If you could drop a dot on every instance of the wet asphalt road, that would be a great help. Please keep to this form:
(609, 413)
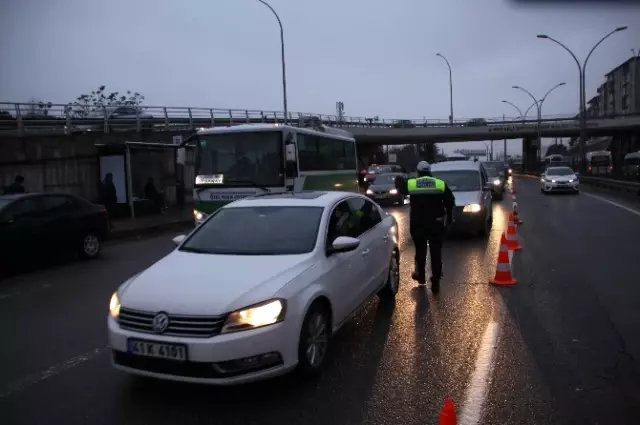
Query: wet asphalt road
(567, 350)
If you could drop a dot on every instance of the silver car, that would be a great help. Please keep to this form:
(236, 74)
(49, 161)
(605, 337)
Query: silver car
(383, 189)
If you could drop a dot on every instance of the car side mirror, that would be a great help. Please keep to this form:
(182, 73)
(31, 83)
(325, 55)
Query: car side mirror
(488, 187)
(343, 244)
(179, 239)
(577, 174)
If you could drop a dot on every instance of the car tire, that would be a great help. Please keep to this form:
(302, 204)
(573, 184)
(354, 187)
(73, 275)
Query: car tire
(315, 332)
(392, 284)
(486, 229)
(90, 245)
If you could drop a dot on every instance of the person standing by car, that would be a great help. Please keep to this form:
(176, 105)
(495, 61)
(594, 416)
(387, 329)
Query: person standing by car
(109, 196)
(16, 187)
(432, 204)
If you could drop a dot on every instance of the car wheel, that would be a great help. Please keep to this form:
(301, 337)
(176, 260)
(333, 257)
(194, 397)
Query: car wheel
(314, 340)
(91, 245)
(488, 223)
(392, 285)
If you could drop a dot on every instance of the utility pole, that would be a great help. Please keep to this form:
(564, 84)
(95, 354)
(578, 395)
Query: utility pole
(505, 141)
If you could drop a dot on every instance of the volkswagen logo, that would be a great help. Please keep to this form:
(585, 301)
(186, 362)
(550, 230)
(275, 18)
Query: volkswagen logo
(160, 323)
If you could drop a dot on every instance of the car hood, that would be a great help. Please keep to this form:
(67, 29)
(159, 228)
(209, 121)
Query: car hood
(465, 198)
(203, 284)
(561, 179)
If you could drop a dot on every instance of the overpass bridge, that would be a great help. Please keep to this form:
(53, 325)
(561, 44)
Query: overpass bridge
(19, 119)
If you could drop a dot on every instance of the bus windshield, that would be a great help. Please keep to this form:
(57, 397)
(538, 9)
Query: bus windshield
(600, 160)
(253, 158)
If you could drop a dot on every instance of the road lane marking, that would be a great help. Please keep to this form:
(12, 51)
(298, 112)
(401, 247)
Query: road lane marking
(476, 394)
(615, 204)
(49, 372)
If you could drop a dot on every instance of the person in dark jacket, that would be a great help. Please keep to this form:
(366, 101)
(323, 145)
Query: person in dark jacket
(152, 193)
(16, 187)
(109, 196)
(432, 204)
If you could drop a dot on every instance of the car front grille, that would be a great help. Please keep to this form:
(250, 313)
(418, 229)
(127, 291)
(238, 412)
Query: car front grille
(179, 325)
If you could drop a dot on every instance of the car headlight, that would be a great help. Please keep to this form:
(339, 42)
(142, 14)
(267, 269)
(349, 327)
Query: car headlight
(393, 191)
(199, 215)
(570, 180)
(114, 306)
(369, 192)
(553, 181)
(496, 182)
(510, 171)
(542, 179)
(255, 316)
(472, 208)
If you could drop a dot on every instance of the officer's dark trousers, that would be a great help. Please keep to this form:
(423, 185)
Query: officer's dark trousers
(430, 236)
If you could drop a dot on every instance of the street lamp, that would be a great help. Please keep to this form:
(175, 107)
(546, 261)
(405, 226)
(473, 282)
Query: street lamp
(539, 103)
(284, 67)
(450, 88)
(517, 109)
(581, 72)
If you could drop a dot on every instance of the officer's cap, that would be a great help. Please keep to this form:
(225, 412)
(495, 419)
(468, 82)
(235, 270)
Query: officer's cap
(423, 166)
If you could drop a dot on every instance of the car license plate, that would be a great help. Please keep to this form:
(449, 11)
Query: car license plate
(157, 350)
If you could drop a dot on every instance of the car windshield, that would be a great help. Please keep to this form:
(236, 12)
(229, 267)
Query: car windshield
(559, 171)
(241, 158)
(459, 180)
(491, 172)
(386, 178)
(271, 230)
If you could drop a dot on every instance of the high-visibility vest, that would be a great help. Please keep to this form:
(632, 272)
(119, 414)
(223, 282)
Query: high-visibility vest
(425, 185)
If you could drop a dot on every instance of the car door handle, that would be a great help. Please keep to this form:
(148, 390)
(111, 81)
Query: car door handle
(366, 252)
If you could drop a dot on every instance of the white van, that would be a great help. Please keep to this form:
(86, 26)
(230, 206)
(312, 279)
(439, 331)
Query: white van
(471, 187)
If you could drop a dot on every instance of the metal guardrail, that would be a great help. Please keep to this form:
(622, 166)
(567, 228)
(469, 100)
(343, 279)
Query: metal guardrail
(24, 118)
(624, 186)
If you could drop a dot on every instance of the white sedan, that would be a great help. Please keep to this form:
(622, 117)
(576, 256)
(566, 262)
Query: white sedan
(559, 179)
(256, 290)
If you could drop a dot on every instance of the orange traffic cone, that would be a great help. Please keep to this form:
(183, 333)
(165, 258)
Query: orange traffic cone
(516, 218)
(503, 268)
(448, 413)
(512, 236)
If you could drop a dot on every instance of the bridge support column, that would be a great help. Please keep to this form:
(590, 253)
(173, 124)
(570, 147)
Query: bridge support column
(530, 153)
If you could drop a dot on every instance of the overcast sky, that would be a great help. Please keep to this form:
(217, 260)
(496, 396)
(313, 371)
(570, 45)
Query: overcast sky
(378, 57)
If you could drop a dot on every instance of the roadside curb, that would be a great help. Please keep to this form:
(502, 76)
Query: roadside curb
(150, 230)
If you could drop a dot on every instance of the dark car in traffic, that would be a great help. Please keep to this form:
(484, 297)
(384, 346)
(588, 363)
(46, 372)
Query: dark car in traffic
(383, 189)
(497, 183)
(40, 225)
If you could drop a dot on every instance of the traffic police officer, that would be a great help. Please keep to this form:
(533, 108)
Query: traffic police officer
(432, 205)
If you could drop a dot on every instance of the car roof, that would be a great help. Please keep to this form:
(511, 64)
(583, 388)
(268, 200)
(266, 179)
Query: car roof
(293, 199)
(456, 165)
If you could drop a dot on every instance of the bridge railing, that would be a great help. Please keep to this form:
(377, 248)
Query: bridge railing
(24, 118)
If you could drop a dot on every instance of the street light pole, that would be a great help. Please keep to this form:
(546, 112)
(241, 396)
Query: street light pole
(517, 109)
(539, 112)
(581, 73)
(450, 88)
(282, 58)
(505, 140)
(539, 106)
